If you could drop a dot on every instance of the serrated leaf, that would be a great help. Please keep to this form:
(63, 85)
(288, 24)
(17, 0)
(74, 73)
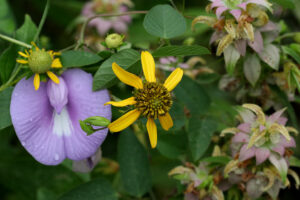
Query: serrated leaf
(134, 164)
(105, 77)
(165, 22)
(231, 56)
(96, 189)
(5, 97)
(252, 68)
(271, 56)
(199, 136)
(180, 51)
(78, 58)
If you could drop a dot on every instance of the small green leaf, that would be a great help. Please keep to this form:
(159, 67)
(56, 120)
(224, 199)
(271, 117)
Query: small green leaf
(96, 189)
(199, 135)
(271, 56)
(252, 68)
(7, 63)
(88, 129)
(27, 31)
(196, 102)
(165, 22)
(5, 97)
(180, 51)
(105, 76)
(7, 22)
(78, 58)
(134, 164)
(291, 52)
(294, 161)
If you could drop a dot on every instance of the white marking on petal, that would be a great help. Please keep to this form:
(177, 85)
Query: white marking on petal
(62, 124)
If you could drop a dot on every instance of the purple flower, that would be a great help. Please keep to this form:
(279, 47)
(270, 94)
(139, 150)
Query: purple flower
(47, 121)
(103, 25)
(235, 7)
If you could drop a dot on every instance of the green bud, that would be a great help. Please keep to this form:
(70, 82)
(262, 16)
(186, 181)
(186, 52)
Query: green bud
(86, 128)
(97, 121)
(189, 41)
(39, 61)
(114, 40)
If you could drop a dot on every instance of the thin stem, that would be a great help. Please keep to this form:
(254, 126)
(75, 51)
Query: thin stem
(68, 48)
(286, 36)
(12, 40)
(43, 19)
(81, 36)
(10, 80)
(173, 4)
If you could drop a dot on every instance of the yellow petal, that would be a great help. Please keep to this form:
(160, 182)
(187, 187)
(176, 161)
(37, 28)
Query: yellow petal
(229, 130)
(166, 121)
(148, 65)
(36, 81)
(127, 77)
(124, 121)
(22, 61)
(53, 77)
(174, 78)
(23, 54)
(278, 128)
(258, 111)
(257, 135)
(36, 47)
(125, 102)
(224, 43)
(152, 132)
(56, 63)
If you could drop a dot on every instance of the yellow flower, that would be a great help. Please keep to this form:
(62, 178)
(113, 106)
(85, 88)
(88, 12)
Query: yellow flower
(151, 99)
(41, 61)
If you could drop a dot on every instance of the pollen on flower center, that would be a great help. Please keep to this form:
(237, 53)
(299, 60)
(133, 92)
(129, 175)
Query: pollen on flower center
(39, 61)
(153, 100)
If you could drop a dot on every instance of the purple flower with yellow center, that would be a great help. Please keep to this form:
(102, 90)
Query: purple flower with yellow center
(235, 7)
(40, 62)
(46, 121)
(262, 137)
(151, 99)
(103, 25)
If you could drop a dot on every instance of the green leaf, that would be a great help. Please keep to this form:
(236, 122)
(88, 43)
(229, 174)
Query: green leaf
(286, 3)
(252, 68)
(199, 135)
(193, 96)
(7, 22)
(217, 159)
(165, 22)
(294, 161)
(126, 59)
(78, 58)
(27, 31)
(96, 189)
(5, 97)
(271, 56)
(134, 164)
(177, 50)
(291, 52)
(7, 63)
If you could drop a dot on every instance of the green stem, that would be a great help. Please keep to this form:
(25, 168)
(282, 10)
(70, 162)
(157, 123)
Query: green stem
(42, 22)
(12, 40)
(82, 31)
(11, 79)
(286, 36)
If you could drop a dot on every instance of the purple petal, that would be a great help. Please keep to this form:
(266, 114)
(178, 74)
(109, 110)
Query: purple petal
(83, 103)
(101, 25)
(279, 149)
(243, 5)
(257, 45)
(245, 127)
(282, 120)
(276, 116)
(246, 153)
(261, 128)
(164, 61)
(125, 18)
(236, 13)
(31, 115)
(287, 144)
(87, 165)
(240, 137)
(215, 36)
(241, 46)
(119, 26)
(184, 65)
(57, 94)
(172, 59)
(261, 155)
(270, 26)
(87, 10)
(217, 3)
(220, 11)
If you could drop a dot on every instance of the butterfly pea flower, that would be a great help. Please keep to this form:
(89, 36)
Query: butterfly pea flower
(235, 7)
(263, 137)
(103, 25)
(40, 62)
(46, 121)
(150, 98)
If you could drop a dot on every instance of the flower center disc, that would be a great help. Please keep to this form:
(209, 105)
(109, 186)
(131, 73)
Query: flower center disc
(39, 61)
(153, 100)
